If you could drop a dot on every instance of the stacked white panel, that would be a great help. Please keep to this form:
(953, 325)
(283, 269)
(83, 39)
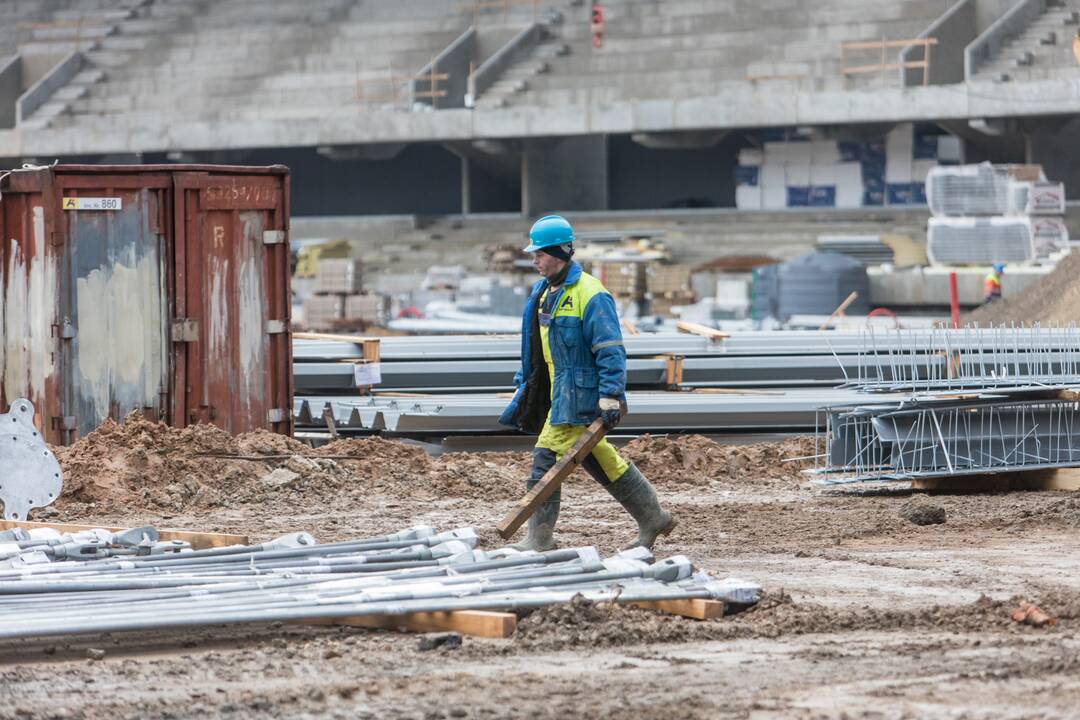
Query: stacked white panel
(979, 240)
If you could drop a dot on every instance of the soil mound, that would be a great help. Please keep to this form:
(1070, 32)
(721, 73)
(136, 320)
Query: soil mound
(697, 460)
(1055, 299)
(139, 464)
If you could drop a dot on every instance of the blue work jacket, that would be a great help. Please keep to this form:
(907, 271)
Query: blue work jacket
(586, 350)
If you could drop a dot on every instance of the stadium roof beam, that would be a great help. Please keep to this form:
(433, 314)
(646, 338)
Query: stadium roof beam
(370, 151)
(694, 140)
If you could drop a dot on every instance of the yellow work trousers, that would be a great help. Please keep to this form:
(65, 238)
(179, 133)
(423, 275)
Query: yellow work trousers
(560, 438)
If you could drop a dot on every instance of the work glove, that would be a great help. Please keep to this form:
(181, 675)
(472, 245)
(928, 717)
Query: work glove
(610, 412)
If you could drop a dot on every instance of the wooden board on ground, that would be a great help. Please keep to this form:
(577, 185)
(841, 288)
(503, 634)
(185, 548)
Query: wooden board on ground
(699, 329)
(478, 623)
(697, 608)
(198, 540)
(552, 480)
(1053, 479)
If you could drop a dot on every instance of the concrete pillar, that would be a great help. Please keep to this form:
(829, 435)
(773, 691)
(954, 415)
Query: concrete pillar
(564, 174)
(466, 188)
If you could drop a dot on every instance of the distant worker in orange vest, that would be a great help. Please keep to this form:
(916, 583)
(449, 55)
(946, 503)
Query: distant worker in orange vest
(992, 284)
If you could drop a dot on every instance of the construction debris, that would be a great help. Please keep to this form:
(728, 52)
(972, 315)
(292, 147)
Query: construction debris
(1031, 614)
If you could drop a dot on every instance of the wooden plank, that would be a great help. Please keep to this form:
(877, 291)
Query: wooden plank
(696, 609)
(370, 345)
(332, 337)
(198, 540)
(477, 623)
(552, 480)
(699, 329)
(734, 391)
(1066, 479)
(964, 483)
(840, 309)
(877, 44)
(673, 370)
(860, 69)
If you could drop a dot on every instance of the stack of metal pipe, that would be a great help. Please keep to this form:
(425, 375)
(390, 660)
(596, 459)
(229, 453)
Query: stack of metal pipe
(293, 578)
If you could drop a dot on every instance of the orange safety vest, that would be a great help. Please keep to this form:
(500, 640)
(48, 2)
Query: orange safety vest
(992, 284)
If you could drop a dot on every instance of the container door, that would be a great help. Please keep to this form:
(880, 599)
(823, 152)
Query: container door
(28, 297)
(233, 352)
(113, 330)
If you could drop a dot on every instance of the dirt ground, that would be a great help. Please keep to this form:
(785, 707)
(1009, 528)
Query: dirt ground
(867, 615)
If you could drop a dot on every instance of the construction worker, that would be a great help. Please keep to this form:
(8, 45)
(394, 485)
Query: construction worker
(992, 284)
(573, 370)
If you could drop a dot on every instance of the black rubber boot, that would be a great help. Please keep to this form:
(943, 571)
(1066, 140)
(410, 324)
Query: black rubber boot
(637, 496)
(542, 522)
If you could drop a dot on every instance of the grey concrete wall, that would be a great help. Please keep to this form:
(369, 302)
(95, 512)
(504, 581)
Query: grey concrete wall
(564, 174)
(453, 61)
(645, 178)
(10, 89)
(492, 194)
(39, 94)
(954, 30)
(1058, 151)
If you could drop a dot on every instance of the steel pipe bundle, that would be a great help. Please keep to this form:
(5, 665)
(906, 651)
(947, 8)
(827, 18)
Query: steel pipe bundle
(415, 570)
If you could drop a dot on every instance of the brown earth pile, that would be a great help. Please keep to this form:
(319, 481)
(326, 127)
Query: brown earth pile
(144, 465)
(697, 460)
(139, 464)
(1055, 299)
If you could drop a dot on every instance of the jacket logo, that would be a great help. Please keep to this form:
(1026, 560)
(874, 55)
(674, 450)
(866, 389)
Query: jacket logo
(568, 303)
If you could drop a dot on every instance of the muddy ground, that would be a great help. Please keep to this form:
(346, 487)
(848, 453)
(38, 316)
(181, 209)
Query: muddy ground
(867, 614)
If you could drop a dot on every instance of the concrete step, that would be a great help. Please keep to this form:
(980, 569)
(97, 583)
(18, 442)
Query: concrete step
(88, 16)
(71, 32)
(88, 77)
(149, 26)
(124, 43)
(69, 93)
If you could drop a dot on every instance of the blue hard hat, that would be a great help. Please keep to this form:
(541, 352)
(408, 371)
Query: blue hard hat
(999, 267)
(549, 231)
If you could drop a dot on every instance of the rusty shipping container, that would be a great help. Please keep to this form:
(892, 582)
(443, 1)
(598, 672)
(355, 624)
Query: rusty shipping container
(160, 288)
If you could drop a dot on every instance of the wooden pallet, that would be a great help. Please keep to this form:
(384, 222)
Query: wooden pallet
(198, 540)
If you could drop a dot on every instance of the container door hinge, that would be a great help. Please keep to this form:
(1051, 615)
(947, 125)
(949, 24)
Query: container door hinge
(276, 327)
(67, 330)
(275, 415)
(185, 330)
(273, 237)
